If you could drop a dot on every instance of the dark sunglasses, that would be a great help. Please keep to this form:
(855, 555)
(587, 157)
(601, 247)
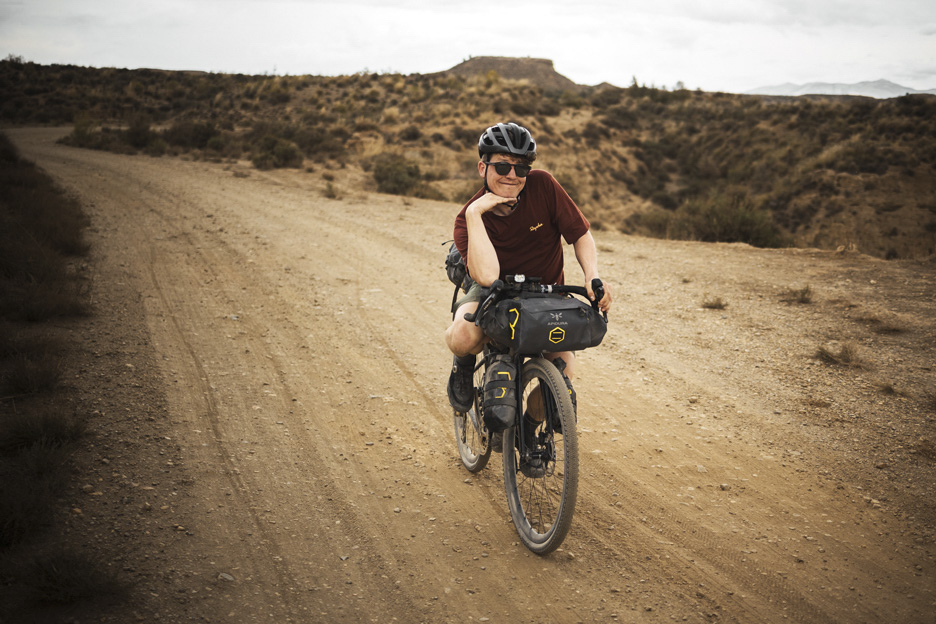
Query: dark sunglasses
(503, 168)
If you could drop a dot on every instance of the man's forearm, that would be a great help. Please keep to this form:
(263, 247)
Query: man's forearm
(587, 255)
(482, 258)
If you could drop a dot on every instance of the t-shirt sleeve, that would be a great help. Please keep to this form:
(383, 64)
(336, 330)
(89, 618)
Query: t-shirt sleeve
(570, 221)
(460, 233)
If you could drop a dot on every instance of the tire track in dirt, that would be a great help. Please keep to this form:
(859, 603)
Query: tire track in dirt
(276, 547)
(326, 401)
(231, 471)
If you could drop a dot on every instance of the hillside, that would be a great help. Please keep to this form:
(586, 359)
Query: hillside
(820, 172)
(539, 72)
(269, 439)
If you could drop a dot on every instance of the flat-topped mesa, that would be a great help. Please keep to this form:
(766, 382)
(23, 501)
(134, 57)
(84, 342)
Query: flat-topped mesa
(537, 71)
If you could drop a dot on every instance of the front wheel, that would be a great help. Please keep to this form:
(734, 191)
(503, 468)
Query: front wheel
(541, 462)
(474, 442)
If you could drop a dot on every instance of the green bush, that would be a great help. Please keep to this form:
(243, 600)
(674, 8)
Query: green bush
(728, 217)
(139, 134)
(275, 153)
(396, 175)
(190, 134)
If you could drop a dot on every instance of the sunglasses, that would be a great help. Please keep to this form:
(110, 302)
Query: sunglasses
(503, 168)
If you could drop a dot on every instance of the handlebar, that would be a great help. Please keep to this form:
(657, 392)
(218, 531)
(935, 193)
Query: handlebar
(518, 284)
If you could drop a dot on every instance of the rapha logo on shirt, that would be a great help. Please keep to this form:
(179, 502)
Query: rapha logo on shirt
(533, 228)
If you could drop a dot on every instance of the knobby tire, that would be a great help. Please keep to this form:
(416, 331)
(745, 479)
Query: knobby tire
(542, 501)
(474, 443)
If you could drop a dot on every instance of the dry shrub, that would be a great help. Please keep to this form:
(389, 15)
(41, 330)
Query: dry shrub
(714, 303)
(847, 355)
(798, 295)
(890, 389)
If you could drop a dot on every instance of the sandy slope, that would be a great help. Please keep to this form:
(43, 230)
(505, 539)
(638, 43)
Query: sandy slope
(273, 442)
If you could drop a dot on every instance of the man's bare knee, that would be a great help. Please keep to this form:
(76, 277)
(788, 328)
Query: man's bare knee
(464, 338)
(568, 357)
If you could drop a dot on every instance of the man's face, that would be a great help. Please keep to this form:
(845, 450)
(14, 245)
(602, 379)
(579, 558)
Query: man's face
(508, 185)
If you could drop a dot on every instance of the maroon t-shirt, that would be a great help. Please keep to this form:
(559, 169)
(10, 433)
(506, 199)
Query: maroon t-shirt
(527, 241)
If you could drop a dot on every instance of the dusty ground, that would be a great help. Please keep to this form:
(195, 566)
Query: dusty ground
(272, 441)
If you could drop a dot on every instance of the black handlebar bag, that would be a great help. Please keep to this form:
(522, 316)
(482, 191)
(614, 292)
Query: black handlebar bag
(532, 325)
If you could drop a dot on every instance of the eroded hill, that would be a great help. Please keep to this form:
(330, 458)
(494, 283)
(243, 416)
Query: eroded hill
(824, 172)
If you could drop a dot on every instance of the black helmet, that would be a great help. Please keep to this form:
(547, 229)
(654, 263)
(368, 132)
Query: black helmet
(508, 138)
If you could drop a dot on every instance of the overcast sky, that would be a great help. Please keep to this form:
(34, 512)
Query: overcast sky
(716, 45)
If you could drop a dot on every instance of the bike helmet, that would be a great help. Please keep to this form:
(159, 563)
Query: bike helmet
(508, 138)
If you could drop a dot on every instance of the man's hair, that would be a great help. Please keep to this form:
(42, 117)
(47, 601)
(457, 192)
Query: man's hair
(524, 161)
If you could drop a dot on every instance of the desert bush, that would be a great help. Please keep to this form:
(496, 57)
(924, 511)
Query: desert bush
(569, 183)
(138, 133)
(729, 217)
(620, 118)
(190, 134)
(798, 295)
(847, 355)
(464, 137)
(714, 303)
(410, 133)
(396, 175)
(39, 228)
(888, 388)
(274, 152)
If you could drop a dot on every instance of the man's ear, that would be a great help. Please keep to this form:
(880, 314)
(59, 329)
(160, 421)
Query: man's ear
(481, 167)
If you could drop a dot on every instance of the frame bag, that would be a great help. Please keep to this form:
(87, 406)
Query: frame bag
(537, 324)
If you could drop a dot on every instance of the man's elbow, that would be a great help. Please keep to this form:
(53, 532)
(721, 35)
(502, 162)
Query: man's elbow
(485, 279)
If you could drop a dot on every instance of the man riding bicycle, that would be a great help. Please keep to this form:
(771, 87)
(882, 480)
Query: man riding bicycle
(515, 224)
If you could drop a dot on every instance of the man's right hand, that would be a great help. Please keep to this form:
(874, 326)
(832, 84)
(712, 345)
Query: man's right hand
(489, 201)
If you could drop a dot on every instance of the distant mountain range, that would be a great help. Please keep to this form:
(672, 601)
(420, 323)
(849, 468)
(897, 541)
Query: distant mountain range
(881, 89)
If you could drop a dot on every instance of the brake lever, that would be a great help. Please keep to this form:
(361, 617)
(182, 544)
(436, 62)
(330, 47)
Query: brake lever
(496, 288)
(598, 289)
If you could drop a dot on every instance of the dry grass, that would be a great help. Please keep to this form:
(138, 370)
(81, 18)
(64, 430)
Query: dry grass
(798, 295)
(885, 324)
(55, 579)
(39, 229)
(847, 355)
(27, 374)
(714, 303)
(890, 389)
(802, 155)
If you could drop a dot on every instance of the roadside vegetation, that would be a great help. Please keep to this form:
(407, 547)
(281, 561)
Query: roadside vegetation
(769, 171)
(41, 287)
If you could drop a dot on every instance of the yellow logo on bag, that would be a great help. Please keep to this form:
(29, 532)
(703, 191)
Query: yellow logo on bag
(513, 325)
(504, 389)
(557, 335)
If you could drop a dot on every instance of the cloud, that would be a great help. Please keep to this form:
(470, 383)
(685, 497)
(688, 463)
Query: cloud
(717, 45)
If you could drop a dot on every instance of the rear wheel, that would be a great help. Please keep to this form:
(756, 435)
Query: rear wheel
(474, 442)
(541, 473)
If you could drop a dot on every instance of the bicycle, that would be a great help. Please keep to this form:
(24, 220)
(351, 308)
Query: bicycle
(540, 457)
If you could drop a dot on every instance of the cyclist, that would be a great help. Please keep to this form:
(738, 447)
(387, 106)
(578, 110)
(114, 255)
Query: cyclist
(515, 224)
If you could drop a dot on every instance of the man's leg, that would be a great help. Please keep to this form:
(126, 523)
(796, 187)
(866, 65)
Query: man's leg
(568, 357)
(464, 340)
(535, 408)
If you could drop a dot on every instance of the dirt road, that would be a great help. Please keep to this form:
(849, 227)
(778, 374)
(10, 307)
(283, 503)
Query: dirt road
(273, 442)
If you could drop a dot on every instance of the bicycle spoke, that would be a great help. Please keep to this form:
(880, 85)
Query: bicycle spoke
(474, 446)
(541, 477)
